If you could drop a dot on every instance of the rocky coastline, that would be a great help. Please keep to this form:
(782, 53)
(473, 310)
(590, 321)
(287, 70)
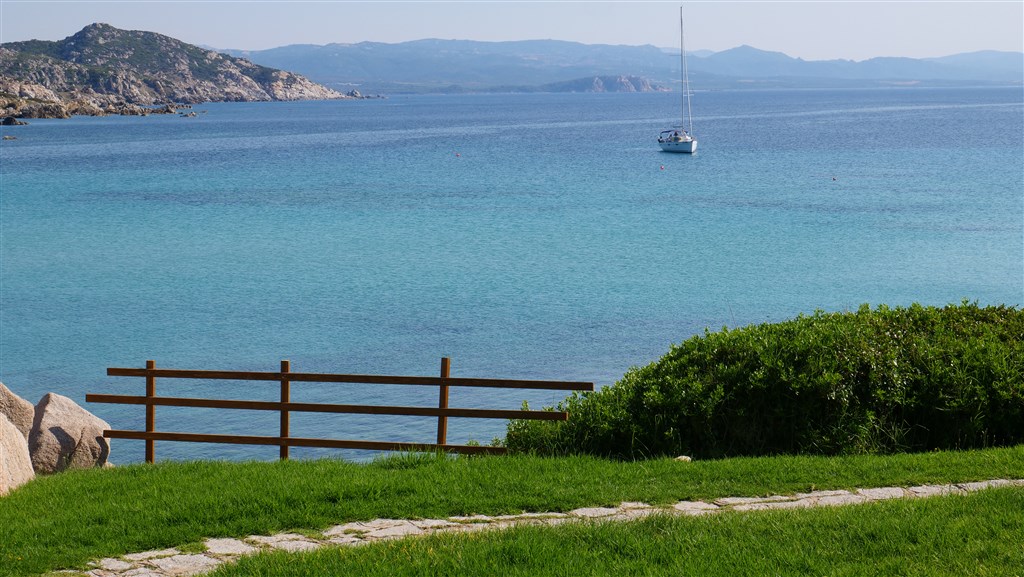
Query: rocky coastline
(103, 70)
(27, 100)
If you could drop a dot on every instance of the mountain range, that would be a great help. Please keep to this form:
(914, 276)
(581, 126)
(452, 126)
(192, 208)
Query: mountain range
(103, 69)
(447, 65)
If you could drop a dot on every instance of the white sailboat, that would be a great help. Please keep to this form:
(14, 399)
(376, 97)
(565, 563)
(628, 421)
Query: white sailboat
(680, 138)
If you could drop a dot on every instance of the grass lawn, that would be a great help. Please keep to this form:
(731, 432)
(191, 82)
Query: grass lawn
(979, 534)
(65, 520)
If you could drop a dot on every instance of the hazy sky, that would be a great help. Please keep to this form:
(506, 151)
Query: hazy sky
(813, 30)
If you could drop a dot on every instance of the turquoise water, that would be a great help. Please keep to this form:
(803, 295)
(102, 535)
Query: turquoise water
(526, 236)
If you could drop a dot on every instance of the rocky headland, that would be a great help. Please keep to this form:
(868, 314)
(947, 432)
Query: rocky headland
(105, 70)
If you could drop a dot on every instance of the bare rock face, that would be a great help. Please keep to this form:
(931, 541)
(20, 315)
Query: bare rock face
(17, 410)
(15, 462)
(66, 436)
(28, 90)
(101, 66)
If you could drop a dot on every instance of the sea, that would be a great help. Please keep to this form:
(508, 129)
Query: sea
(525, 236)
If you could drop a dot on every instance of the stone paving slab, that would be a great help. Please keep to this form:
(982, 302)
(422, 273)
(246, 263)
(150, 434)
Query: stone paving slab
(733, 501)
(274, 540)
(228, 547)
(144, 572)
(152, 554)
(431, 523)
(694, 507)
(817, 494)
(882, 493)
(594, 512)
(347, 529)
(983, 484)
(775, 505)
(114, 565)
(935, 490)
(186, 564)
(173, 563)
(405, 529)
(836, 500)
(529, 516)
(377, 524)
(345, 540)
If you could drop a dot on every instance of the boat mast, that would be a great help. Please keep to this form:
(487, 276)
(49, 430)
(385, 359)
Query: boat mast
(686, 74)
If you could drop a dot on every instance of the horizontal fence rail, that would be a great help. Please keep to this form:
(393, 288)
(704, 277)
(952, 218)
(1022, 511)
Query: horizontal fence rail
(285, 407)
(360, 379)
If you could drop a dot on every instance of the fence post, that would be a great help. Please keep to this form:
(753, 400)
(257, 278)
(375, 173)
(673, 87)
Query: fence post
(442, 403)
(150, 411)
(285, 398)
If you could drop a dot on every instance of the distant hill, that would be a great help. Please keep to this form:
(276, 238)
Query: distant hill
(443, 65)
(1001, 65)
(433, 64)
(749, 62)
(101, 66)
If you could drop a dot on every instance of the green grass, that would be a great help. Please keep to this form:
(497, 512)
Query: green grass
(65, 520)
(979, 534)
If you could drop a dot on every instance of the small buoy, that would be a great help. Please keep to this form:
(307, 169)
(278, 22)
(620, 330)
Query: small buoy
(457, 155)
(663, 167)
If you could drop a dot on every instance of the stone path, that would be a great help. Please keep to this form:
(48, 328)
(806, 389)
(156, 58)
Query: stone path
(173, 563)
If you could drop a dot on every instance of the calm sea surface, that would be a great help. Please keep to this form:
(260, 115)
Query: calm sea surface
(526, 236)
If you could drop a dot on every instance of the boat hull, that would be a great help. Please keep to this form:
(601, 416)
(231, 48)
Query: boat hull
(688, 146)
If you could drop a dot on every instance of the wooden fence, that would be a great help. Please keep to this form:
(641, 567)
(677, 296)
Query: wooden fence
(285, 407)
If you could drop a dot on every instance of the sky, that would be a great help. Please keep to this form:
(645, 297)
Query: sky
(812, 30)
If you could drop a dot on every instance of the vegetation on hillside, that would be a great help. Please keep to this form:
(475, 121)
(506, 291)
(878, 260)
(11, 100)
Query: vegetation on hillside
(872, 381)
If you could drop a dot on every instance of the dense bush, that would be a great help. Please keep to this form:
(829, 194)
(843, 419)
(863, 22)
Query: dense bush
(872, 381)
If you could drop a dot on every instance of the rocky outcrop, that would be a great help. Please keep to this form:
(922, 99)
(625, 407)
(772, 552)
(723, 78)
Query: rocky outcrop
(55, 435)
(605, 84)
(15, 462)
(25, 100)
(102, 68)
(18, 411)
(66, 436)
(26, 90)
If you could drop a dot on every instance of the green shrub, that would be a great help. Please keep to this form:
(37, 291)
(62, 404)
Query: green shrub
(872, 381)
